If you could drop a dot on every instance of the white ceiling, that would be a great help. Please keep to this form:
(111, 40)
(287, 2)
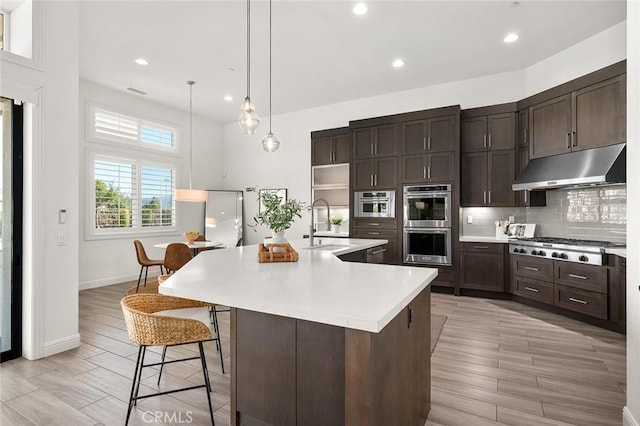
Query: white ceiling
(322, 52)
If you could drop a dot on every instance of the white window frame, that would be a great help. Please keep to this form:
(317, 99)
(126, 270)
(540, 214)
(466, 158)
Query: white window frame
(93, 108)
(94, 233)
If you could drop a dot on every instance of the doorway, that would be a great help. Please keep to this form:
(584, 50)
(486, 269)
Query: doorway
(11, 181)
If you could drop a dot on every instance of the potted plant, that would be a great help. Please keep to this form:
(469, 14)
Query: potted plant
(335, 224)
(191, 236)
(277, 214)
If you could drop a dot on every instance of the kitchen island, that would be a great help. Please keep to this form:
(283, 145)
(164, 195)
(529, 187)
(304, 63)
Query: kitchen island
(319, 341)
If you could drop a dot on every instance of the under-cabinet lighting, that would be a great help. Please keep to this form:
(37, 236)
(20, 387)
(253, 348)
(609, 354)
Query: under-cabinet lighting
(141, 61)
(398, 63)
(511, 37)
(360, 9)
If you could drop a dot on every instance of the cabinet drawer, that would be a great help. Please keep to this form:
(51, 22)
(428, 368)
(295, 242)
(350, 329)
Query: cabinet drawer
(482, 247)
(383, 234)
(375, 224)
(583, 301)
(541, 291)
(539, 269)
(445, 278)
(586, 277)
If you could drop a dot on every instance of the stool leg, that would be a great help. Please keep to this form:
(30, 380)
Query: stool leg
(139, 278)
(135, 395)
(133, 385)
(164, 353)
(216, 327)
(205, 372)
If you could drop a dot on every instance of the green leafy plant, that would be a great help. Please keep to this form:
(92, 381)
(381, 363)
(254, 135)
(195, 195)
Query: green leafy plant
(277, 214)
(336, 221)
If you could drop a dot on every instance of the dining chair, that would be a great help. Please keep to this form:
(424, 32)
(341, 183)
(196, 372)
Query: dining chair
(160, 320)
(176, 255)
(145, 262)
(201, 238)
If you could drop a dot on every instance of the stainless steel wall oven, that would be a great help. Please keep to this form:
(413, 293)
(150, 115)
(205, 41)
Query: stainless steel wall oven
(374, 203)
(431, 246)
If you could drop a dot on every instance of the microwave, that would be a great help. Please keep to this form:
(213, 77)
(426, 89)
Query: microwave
(374, 204)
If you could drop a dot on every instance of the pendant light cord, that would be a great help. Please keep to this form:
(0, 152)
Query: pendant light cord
(190, 83)
(249, 49)
(270, 96)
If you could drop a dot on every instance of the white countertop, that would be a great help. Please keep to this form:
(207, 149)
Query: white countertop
(331, 234)
(622, 252)
(474, 239)
(319, 287)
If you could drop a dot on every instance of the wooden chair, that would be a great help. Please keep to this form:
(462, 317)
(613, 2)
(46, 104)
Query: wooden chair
(201, 238)
(159, 320)
(145, 262)
(176, 256)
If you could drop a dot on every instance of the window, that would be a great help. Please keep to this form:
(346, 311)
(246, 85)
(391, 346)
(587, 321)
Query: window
(131, 196)
(119, 127)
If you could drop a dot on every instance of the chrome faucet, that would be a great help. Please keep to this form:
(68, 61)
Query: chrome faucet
(312, 227)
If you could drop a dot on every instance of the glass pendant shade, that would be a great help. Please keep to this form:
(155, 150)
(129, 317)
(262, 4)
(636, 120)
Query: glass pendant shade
(249, 120)
(194, 195)
(270, 143)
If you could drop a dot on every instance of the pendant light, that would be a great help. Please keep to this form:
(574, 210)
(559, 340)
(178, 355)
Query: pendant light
(196, 195)
(249, 120)
(270, 142)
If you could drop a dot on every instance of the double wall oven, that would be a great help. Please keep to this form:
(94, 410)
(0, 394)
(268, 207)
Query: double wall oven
(427, 224)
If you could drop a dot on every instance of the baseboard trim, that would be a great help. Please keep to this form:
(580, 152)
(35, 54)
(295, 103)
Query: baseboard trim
(60, 345)
(86, 285)
(627, 417)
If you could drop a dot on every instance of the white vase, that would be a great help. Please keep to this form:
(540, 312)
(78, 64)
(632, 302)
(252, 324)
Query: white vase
(277, 238)
(335, 228)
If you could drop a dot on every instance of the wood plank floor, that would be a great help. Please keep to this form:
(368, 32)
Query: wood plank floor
(496, 362)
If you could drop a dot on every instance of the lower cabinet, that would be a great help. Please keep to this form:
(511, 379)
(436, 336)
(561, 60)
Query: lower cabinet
(482, 266)
(289, 372)
(384, 229)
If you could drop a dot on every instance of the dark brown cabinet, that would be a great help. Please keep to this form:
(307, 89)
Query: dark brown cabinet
(330, 146)
(379, 173)
(435, 167)
(429, 135)
(490, 132)
(385, 229)
(377, 141)
(525, 198)
(486, 179)
(482, 266)
(586, 118)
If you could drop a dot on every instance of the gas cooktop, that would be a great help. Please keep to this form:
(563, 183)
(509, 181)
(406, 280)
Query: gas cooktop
(566, 249)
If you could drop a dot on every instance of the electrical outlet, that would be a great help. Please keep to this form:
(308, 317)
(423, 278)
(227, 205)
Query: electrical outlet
(512, 219)
(61, 240)
(469, 219)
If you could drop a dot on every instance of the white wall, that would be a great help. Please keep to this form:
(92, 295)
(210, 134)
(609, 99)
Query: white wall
(289, 167)
(50, 319)
(104, 262)
(632, 410)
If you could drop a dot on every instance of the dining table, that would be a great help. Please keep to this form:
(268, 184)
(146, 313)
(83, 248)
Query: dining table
(196, 246)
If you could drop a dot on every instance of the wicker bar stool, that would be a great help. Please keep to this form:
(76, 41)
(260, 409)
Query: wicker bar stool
(159, 320)
(145, 262)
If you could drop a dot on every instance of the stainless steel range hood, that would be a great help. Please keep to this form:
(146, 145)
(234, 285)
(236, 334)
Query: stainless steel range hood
(597, 166)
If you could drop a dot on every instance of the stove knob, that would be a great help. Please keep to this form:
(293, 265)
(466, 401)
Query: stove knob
(533, 252)
(583, 258)
(523, 251)
(554, 254)
(515, 250)
(563, 256)
(542, 253)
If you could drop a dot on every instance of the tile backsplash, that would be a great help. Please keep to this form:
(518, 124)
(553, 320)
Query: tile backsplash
(598, 213)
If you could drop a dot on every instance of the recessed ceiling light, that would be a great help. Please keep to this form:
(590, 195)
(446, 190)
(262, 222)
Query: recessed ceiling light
(360, 9)
(511, 37)
(141, 61)
(398, 63)
(228, 98)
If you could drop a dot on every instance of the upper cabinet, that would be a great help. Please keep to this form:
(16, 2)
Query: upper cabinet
(375, 141)
(429, 135)
(330, 146)
(488, 132)
(586, 118)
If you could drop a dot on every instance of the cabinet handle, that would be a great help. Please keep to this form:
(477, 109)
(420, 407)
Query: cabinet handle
(531, 268)
(424, 143)
(574, 139)
(573, 299)
(373, 233)
(484, 197)
(373, 224)
(489, 140)
(581, 277)
(375, 148)
(372, 144)
(378, 251)
(535, 290)
(371, 179)
(484, 141)
(569, 140)
(525, 137)
(481, 247)
(409, 315)
(424, 172)
(429, 143)
(489, 197)
(429, 172)
(525, 196)
(375, 179)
